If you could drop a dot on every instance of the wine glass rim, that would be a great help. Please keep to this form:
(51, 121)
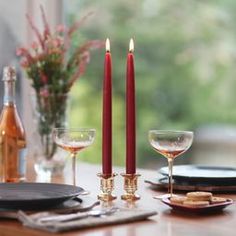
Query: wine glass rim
(171, 131)
(73, 129)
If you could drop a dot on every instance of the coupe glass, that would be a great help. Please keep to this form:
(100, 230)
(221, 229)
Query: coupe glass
(170, 144)
(73, 140)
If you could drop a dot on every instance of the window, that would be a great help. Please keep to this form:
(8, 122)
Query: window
(185, 66)
(184, 55)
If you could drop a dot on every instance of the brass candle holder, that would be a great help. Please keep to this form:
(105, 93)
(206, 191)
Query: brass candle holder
(130, 187)
(106, 186)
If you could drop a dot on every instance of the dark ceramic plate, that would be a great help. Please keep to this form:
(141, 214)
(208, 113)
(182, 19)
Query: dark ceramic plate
(199, 210)
(35, 195)
(162, 183)
(210, 174)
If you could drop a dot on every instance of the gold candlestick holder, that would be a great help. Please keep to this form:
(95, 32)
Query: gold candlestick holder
(106, 186)
(130, 187)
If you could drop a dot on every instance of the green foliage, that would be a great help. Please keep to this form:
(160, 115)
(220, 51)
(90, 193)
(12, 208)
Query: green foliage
(184, 54)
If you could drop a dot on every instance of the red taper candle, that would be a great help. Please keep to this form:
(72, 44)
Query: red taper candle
(107, 114)
(130, 113)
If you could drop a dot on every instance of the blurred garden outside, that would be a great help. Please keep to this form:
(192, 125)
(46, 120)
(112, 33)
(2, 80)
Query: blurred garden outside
(185, 57)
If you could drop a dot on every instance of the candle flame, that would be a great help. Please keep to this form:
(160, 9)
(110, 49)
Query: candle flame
(131, 45)
(107, 45)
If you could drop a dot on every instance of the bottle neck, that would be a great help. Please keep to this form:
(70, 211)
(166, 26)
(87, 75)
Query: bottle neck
(9, 92)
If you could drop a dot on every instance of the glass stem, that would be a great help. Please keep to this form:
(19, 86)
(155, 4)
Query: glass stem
(170, 166)
(73, 155)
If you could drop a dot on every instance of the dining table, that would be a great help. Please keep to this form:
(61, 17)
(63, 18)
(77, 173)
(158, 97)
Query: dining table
(166, 223)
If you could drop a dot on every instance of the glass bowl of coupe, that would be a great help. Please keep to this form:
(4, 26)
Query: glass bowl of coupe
(170, 144)
(73, 140)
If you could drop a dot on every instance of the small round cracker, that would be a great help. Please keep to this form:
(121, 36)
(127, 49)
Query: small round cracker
(178, 200)
(218, 200)
(199, 196)
(196, 203)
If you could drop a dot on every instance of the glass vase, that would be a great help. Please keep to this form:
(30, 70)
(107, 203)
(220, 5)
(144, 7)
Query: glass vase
(50, 111)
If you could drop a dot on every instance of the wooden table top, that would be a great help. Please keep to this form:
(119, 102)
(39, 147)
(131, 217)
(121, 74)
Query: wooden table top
(166, 223)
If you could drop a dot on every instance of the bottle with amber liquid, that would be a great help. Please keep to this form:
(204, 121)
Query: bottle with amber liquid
(12, 134)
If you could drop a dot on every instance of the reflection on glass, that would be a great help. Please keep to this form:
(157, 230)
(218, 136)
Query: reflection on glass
(73, 140)
(170, 144)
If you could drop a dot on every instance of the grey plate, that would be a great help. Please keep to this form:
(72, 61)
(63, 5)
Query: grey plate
(35, 195)
(202, 173)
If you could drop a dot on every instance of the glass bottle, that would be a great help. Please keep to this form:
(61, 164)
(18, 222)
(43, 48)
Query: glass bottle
(12, 134)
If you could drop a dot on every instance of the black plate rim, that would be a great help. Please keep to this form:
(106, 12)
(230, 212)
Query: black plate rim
(185, 177)
(45, 199)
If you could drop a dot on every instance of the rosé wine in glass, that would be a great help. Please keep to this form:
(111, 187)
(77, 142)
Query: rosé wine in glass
(73, 140)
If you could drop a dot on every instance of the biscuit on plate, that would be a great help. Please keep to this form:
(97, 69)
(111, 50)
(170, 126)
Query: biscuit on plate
(218, 200)
(199, 196)
(178, 200)
(196, 203)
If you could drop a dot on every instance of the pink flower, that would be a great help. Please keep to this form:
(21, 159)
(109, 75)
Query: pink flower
(24, 53)
(56, 42)
(61, 28)
(19, 51)
(44, 92)
(34, 45)
(47, 57)
(24, 63)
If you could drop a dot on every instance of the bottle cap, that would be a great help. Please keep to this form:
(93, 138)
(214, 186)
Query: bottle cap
(9, 73)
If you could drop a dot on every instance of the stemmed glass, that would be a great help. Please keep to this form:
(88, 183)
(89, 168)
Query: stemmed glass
(170, 144)
(73, 140)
